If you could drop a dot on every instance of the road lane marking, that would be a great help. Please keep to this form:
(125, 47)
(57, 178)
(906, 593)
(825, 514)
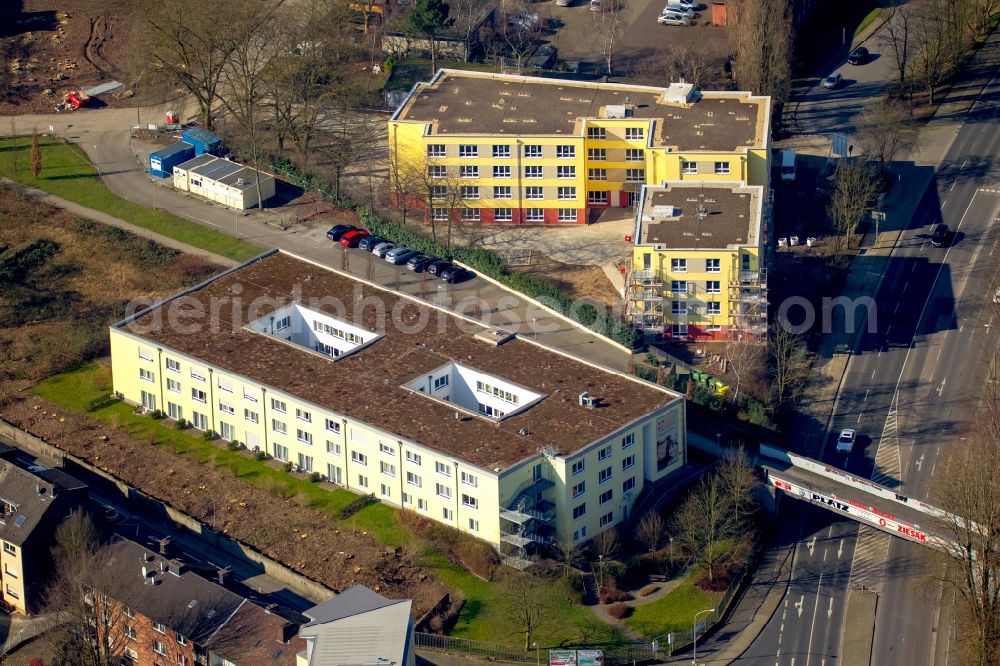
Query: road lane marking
(906, 286)
(952, 185)
(800, 603)
(866, 395)
(940, 389)
(840, 549)
(873, 374)
(895, 309)
(888, 468)
(812, 545)
(829, 611)
(888, 330)
(812, 628)
(919, 462)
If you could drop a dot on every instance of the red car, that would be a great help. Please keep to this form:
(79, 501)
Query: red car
(352, 238)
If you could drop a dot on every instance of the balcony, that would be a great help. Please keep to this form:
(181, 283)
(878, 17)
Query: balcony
(524, 511)
(524, 537)
(647, 277)
(646, 295)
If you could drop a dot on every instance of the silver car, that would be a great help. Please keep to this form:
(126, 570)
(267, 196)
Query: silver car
(382, 249)
(399, 255)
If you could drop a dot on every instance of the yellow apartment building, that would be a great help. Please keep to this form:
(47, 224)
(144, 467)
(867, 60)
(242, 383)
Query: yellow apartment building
(698, 270)
(388, 395)
(481, 147)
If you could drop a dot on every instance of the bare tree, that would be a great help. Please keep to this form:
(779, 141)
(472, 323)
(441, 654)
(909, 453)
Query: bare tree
(760, 39)
(35, 159)
(855, 191)
(937, 46)
(348, 137)
(607, 543)
(525, 606)
(676, 63)
(568, 552)
(468, 15)
(706, 523)
(651, 530)
(608, 29)
(896, 40)
(743, 360)
(519, 27)
(885, 131)
(739, 480)
(789, 362)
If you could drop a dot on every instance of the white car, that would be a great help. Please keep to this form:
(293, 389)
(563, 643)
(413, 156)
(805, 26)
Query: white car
(678, 8)
(833, 81)
(996, 296)
(673, 18)
(845, 443)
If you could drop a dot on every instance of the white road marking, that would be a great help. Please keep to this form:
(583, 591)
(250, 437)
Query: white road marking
(866, 395)
(812, 545)
(799, 603)
(829, 611)
(812, 628)
(888, 329)
(895, 309)
(919, 462)
(840, 549)
(906, 286)
(952, 185)
(940, 389)
(873, 374)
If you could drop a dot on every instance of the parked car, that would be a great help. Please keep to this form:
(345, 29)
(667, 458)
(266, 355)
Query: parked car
(369, 243)
(833, 81)
(339, 230)
(382, 249)
(399, 255)
(673, 18)
(420, 262)
(436, 267)
(939, 235)
(352, 238)
(996, 295)
(453, 274)
(673, 6)
(543, 58)
(858, 56)
(845, 443)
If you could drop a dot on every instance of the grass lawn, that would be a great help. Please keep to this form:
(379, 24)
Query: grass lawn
(867, 20)
(67, 173)
(86, 390)
(672, 612)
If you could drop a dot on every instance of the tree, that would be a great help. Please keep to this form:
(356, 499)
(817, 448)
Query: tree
(651, 530)
(526, 606)
(36, 155)
(885, 131)
(676, 63)
(519, 27)
(568, 551)
(427, 19)
(896, 39)
(763, 65)
(743, 360)
(855, 190)
(789, 362)
(468, 16)
(607, 543)
(608, 29)
(938, 44)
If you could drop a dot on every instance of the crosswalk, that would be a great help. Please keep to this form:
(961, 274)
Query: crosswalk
(871, 552)
(888, 468)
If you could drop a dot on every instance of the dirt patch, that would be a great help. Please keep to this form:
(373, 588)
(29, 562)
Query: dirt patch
(77, 44)
(577, 281)
(300, 536)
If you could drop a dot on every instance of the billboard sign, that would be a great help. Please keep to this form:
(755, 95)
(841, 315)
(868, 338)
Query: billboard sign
(589, 658)
(562, 657)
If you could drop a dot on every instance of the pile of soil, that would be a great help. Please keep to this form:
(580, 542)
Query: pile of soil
(284, 529)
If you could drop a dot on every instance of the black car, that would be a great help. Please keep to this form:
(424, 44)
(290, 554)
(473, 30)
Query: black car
(339, 230)
(939, 235)
(859, 56)
(453, 274)
(435, 267)
(368, 243)
(419, 263)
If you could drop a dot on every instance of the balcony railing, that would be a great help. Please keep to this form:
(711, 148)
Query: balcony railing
(523, 511)
(646, 295)
(648, 276)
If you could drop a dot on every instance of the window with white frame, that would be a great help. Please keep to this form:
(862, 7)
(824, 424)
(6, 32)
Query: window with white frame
(628, 484)
(678, 307)
(145, 354)
(604, 453)
(722, 168)
(579, 489)
(597, 174)
(440, 382)
(471, 214)
(606, 497)
(578, 467)
(473, 524)
(713, 328)
(385, 449)
(628, 440)
(412, 457)
(567, 192)
(385, 490)
(181, 640)
(597, 133)
(197, 375)
(567, 214)
(436, 150)
(333, 425)
(159, 647)
(535, 214)
(283, 323)
(533, 151)
(414, 479)
(679, 286)
(248, 396)
(447, 513)
(689, 168)
(470, 501)
(628, 462)
(501, 150)
(579, 511)
(333, 473)
(387, 468)
(634, 133)
(605, 475)
(442, 468)
(597, 197)
(597, 154)
(130, 632)
(678, 330)
(501, 171)
(279, 426)
(439, 191)
(250, 415)
(199, 421)
(502, 192)
(713, 266)
(333, 447)
(158, 627)
(713, 308)
(635, 175)
(226, 408)
(533, 192)
(469, 192)
(173, 366)
(421, 504)
(634, 155)
(173, 385)
(679, 265)
(503, 214)
(224, 384)
(439, 214)
(305, 463)
(362, 481)
(607, 519)
(713, 287)
(174, 411)
(278, 406)
(303, 436)
(469, 479)
(437, 171)
(359, 458)
(442, 490)
(565, 152)
(146, 375)
(566, 172)
(533, 172)
(465, 150)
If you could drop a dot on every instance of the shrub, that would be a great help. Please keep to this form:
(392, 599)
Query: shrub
(619, 611)
(648, 590)
(614, 569)
(260, 455)
(210, 435)
(610, 595)
(478, 557)
(181, 424)
(572, 587)
(354, 506)
(157, 415)
(315, 477)
(287, 467)
(233, 445)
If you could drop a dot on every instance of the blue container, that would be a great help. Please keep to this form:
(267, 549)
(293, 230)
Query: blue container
(163, 161)
(203, 141)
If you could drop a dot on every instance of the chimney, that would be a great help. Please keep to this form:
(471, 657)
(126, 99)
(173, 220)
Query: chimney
(222, 573)
(176, 566)
(164, 542)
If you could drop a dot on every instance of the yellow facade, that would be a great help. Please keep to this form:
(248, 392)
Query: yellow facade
(12, 576)
(367, 460)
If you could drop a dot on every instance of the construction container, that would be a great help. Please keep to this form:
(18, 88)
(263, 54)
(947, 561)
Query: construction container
(172, 118)
(203, 141)
(222, 181)
(76, 98)
(163, 161)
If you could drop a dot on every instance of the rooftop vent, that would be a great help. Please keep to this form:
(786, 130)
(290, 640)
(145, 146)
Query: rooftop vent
(495, 336)
(617, 111)
(523, 432)
(680, 93)
(587, 401)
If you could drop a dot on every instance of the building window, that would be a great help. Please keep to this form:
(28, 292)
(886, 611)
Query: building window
(566, 172)
(131, 655)
(597, 154)
(333, 425)
(470, 501)
(597, 133)
(305, 463)
(606, 497)
(421, 504)
(713, 308)
(713, 266)
(442, 468)
(247, 396)
(534, 192)
(384, 489)
(469, 192)
(332, 447)
(469, 479)
(387, 468)
(473, 524)
(333, 473)
(678, 330)
(628, 485)
(413, 457)
(158, 647)
(470, 214)
(439, 214)
(713, 328)
(145, 354)
(533, 151)
(283, 323)
(604, 453)
(437, 171)
(9, 548)
(12, 593)
(362, 480)
(436, 150)
(679, 265)
(579, 511)
(146, 375)
(468, 151)
(502, 171)
(501, 150)
(597, 174)
(713, 287)
(628, 462)
(532, 172)
(607, 519)
(580, 533)
(446, 513)
(225, 384)
(440, 382)
(503, 215)
(279, 427)
(303, 415)
(304, 437)
(130, 632)
(227, 431)
(180, 639)
(567, 214)
(502, 191)
(439, 191)
(635, 175)
(679, 286)
(722, 168)
(148, 400)
(579, 489)
(159, 627)
(535, 215)
(199, 421)
(678, 307)
(634, 133)
(604, 475)
(597, 197)
(689, 168)
(578, 467)
(173, 385)
(567, 193)
(566, 152)
(634, 155)
(250, 416)
(628, 440)
(278, 406)
(359, 458)
(174, 411)
(442, 490)
(226, 408)
(197, 375)
(414, 479)
(386, 449)
(173, 366)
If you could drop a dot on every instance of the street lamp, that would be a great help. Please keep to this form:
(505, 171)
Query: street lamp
(538, 658)
(694, 635)
(600, 571)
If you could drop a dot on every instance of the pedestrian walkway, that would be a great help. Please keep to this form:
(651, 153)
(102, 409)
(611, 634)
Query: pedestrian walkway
(663, 589)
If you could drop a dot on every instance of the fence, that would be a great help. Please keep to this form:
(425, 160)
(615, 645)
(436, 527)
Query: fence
(613, 656)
